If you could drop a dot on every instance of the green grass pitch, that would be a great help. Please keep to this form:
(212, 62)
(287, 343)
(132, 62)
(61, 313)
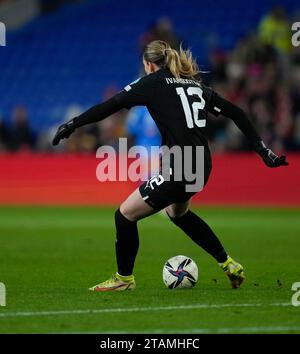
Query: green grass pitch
(49, 257)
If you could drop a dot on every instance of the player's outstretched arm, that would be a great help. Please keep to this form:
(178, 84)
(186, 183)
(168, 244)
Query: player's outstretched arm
(94, 114)
(219, 105)
(138, 93)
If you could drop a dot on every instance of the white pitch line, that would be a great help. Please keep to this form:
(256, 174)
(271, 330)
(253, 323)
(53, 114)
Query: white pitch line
(241, 329)
(256, 329)
(134, 309)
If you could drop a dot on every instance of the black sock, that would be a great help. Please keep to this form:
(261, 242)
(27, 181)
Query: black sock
(202, 234)
(127, 243)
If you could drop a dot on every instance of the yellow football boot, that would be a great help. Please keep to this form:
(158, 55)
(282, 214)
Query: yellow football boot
(234, 271)
(116, 283)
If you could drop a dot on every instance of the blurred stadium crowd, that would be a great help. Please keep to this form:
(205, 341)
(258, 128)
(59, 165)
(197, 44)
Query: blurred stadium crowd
(261, 74)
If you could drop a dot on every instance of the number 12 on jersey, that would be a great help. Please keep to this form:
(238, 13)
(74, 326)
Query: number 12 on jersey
(192, 111)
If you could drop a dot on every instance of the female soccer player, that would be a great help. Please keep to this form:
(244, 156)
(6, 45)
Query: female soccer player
(179, 104)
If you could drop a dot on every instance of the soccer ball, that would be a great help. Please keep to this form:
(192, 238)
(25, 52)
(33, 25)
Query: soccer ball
(180, 272)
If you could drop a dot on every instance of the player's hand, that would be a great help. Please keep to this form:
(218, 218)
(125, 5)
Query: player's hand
(268, 156)
(63, 132)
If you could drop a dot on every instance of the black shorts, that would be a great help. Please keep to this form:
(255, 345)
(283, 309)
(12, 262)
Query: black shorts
(159, 193)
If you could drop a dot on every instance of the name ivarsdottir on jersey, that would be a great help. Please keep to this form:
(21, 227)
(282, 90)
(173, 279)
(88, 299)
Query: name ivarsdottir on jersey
(173, 80)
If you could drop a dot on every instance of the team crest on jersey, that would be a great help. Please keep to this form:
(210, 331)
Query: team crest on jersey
(128, 87)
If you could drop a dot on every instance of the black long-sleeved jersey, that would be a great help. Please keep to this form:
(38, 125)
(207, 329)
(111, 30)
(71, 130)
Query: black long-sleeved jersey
(179, 108)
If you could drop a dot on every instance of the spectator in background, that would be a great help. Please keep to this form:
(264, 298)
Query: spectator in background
(275, 30)
(163, 30)
(4, 135)
(218, 59)
(21, 136)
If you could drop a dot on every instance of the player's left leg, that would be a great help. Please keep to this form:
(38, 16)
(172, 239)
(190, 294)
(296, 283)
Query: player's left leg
(131, 210)
(198, 230)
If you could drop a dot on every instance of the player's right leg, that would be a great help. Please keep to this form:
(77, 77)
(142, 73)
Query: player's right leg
(200, 232)
(131, 210)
